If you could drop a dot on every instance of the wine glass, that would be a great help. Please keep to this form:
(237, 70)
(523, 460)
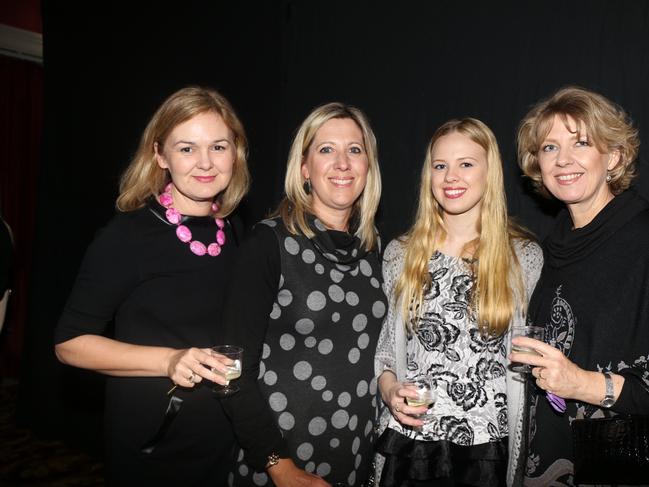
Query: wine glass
(426, 396)
(529, 331)
(233, 371)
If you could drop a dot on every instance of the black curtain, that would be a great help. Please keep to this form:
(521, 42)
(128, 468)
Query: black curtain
(409, 65)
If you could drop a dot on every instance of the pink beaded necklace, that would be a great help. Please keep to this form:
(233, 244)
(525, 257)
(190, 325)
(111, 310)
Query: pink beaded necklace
(184, 234)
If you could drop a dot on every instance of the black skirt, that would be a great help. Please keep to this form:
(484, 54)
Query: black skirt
(416, 463)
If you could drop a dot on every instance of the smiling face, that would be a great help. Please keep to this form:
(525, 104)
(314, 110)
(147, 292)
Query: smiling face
(199, 155)
(459, 169)
(574, 170)
(337, 165)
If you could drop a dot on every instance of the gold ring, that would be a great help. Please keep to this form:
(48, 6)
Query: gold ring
(396, 408)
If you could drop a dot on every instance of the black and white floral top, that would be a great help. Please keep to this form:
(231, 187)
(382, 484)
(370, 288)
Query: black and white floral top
(467, 368)
(474, 385)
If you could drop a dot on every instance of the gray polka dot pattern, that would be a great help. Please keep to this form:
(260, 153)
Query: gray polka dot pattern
(308, 256)
(284, 297)
(325, 346)
(336, 293)
(316, 301)
(360, 322)
(304, 451)
(286, 421)
(277, 401)
(304, 326)
(318, 357)
(318, 382)
(302, 370)
(291, 246)
(270, 378)
(317, 426)
(286, 341)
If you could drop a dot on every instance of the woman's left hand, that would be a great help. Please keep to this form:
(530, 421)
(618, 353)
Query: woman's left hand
(553, 371)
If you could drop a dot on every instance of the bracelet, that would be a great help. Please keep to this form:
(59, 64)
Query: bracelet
(273, 459)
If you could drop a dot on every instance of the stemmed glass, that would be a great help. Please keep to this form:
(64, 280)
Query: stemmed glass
(529, 331)
(233, 371)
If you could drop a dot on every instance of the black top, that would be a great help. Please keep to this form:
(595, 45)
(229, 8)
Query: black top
(139, 274)
(308, 314)
(593, 300)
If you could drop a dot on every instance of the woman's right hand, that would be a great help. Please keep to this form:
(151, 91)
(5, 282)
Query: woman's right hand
(395, 398)
(188, 367)
(287, 474)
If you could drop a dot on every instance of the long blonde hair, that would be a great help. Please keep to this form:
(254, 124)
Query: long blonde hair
(143, 178)
(297, 203)
(497, 269)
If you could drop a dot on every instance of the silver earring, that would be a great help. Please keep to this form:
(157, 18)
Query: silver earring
(307, 186)
(608, 178)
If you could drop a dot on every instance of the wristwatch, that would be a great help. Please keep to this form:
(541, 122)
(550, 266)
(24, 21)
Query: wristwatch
(273, 459)
(609, 398)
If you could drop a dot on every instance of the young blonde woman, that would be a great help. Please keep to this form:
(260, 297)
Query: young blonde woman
(455, 281)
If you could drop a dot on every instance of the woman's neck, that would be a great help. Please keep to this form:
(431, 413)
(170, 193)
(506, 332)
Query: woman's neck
(459, 232)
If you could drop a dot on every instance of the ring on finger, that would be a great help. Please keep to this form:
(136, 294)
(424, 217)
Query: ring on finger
(191, 377)
(396, 408)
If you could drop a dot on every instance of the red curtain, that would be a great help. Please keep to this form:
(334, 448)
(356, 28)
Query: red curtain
(21, 125)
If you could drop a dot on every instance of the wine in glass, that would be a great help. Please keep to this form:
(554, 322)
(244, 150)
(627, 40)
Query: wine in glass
(233, 370)
(529, 331)
(426, 396)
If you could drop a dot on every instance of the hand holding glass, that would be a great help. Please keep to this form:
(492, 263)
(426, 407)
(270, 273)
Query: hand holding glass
(529, 331)
(233, 370)
(426, 396)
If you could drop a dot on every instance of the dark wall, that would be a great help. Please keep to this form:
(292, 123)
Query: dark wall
(410, 65)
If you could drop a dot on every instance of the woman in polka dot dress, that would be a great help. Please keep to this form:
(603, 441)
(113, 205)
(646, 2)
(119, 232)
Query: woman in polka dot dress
(306, 304)
(455, 282)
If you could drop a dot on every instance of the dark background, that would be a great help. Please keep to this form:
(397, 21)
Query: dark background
(410, 65)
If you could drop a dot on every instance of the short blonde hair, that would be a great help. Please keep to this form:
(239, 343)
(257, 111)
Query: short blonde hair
(606, 124)
(297, 203)
(143, 178)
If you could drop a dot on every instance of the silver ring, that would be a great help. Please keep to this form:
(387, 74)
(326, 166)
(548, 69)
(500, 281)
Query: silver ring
(191, 377)
(396, 408)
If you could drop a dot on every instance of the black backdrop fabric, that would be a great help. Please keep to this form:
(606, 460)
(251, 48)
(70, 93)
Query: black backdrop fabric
(410, 65)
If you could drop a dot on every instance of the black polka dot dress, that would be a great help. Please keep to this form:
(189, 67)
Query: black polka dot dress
(314, 356)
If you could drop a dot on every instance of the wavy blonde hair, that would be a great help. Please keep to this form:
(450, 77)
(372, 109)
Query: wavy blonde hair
(297, 204)
(143, 178)
(606, 124)
(497, 268)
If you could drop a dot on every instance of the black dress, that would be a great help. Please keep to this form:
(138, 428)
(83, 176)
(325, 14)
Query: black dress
(137, 273)
(308, 314)
(593, 301)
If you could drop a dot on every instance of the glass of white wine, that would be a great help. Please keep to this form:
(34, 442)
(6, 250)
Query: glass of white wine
(426, 396)
(233, 370)
(529, 331)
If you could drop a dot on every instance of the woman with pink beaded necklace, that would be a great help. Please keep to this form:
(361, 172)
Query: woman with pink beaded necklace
(157, 273)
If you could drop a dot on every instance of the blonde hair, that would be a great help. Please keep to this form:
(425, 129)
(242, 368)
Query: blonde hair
(143, 178)
(497, 268)
(297, 203)
(606, 124)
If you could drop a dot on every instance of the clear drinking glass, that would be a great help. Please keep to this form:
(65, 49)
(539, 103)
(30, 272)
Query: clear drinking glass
(529, 331)
(426, 396)
(233, 371)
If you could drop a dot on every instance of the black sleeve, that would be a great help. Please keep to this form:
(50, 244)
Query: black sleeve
(107, 276)
(249, 300)
(634, 397)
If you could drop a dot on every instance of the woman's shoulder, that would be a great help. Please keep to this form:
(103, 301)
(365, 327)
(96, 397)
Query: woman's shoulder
(528, 252)
(395, 250)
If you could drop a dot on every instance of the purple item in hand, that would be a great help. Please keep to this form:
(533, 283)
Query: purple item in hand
(557, 403)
